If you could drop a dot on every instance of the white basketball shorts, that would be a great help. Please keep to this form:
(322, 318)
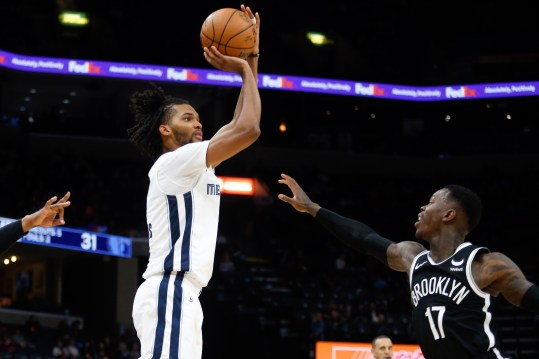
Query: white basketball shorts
(168, 318)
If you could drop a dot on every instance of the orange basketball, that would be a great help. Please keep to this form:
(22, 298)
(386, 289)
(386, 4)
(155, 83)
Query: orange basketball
(231, 31)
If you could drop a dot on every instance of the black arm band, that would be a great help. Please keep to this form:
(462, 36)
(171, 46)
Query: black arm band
(9, 234)
(355, 234)
(530, 300)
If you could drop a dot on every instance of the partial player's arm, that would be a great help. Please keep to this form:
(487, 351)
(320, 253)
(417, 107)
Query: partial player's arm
(357, 235)
(9, 234)
(496, 273)
(252, 59)
(51, 214)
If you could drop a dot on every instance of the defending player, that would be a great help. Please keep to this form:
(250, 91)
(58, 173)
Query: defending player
(451, 283)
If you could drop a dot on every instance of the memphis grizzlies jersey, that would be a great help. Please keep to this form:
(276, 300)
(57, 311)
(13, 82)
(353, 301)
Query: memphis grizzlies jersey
(451, 315)
(182, 210)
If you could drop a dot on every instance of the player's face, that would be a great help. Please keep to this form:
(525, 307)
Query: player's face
(185, 125)
(382, 349)
(429, 220)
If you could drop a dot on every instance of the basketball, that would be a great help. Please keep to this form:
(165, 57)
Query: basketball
(231, 31)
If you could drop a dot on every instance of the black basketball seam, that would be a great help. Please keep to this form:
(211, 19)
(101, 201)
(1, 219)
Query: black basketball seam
(205, 35)
(209, 38)
(224, 29)
(218, 43)
(213, 30)
(239, 33)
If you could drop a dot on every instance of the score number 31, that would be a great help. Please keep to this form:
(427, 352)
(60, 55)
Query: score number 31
(89, 241)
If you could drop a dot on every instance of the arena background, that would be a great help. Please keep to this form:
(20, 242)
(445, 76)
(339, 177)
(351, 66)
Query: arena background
(376, 160)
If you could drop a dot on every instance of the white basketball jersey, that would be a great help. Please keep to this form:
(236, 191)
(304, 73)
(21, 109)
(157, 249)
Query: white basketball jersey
(182, 210)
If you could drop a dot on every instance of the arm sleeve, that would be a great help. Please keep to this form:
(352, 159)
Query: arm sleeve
(530, 301)
(355, 234)
(9, 234)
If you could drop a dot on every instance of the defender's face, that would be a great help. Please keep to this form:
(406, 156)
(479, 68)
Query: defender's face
(429, 220)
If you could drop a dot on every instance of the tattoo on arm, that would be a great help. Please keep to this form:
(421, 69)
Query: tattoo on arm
(502, 275)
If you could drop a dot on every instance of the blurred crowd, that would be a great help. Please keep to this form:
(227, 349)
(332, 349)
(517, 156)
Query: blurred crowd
(67, 341)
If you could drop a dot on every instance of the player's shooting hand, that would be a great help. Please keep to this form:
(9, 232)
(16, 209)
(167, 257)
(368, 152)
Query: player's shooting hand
(300, 201)
(52, 214)
(255, 17)
(224, 62)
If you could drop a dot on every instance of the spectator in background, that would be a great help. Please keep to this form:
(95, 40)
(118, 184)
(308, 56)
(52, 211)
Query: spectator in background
(317, 327)
(226, 264)
(134, 351)
(382, 347)
(72, 349)
(59, 351)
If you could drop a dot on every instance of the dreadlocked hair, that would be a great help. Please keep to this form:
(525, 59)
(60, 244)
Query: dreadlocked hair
(150, 108)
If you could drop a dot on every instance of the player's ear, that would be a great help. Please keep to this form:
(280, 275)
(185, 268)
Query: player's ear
(164, 130)
(449, 215)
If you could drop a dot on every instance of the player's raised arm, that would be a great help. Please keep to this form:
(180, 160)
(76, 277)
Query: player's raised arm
(244, 129)
(357, 235)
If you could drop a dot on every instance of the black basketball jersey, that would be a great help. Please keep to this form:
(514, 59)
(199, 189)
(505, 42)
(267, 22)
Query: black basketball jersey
(451, 315)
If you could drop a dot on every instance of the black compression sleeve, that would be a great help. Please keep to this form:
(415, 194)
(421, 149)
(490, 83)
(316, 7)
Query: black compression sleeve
(355, 234)
(530, 301)
(9, 234)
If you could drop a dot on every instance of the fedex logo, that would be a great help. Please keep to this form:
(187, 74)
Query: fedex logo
(459, 92)
(84, 68)
(184, 75)
(279, 82)
(370, 90)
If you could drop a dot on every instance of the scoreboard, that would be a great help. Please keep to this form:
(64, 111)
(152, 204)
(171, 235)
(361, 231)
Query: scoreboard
(76, 239)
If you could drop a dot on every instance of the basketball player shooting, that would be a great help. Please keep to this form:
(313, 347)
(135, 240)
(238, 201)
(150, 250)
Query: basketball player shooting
(451, 283)
(182, 206)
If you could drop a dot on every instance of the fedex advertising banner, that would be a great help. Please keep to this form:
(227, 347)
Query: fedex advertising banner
(266, 81)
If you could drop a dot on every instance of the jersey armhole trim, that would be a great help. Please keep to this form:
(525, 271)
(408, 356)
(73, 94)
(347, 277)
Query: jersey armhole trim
(469, 275)
(414, 261)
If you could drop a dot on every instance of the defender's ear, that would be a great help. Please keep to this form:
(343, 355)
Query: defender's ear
(449, 215)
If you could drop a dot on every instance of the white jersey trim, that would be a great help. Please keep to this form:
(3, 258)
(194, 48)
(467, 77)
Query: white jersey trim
(482, 294)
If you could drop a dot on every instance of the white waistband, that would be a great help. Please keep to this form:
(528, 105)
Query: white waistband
(188, 285)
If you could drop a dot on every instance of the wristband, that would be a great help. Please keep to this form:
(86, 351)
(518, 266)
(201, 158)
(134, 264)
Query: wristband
(10, 234)
(530, 300)
(254, 55)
